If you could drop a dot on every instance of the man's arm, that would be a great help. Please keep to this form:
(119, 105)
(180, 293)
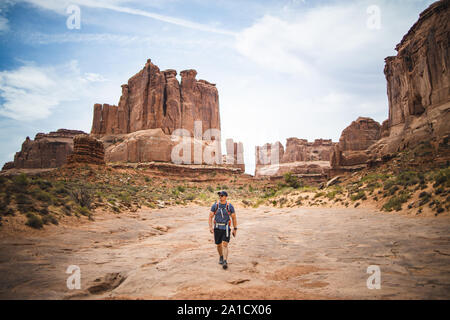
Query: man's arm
(233, 217)
(211, 216)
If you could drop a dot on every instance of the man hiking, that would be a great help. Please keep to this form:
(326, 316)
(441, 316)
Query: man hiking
(221, 215)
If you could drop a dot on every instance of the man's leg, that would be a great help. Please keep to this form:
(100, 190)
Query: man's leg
(225, 250)
(219, 249)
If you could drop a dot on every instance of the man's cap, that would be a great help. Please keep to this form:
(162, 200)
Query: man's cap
(224, 193)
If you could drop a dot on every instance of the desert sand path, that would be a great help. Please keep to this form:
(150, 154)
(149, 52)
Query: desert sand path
(279, 253)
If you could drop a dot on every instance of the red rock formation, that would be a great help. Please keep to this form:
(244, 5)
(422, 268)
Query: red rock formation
(87, 149)
(354, 142)
(309, 160)
(418, 84)
(46, 150)
(155, 99)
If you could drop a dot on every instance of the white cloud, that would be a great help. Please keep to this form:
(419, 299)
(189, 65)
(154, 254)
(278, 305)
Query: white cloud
(305, 42)
(32, 92)
(116, 5)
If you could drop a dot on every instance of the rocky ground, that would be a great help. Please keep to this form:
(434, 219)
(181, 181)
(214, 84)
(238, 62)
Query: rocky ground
(279, 253)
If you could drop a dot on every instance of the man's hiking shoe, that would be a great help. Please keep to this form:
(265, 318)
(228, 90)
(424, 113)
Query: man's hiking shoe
(225, 265)
(221, 260)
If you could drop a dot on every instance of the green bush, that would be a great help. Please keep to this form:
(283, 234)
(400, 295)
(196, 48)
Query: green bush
(84, 211)
(21, 180)
(190, 197)
(292, 181)
(409, 178)
(331, 195)
(442, 178)
(43, 196)
(358, 196)
(395, 203)
(181, 188)
(34, 221)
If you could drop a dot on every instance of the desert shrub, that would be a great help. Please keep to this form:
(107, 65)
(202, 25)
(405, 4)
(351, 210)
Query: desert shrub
(424, 198)
(270, 193)
(358, 196)
(331, 195)
(210, 189)
(357, 204)
(34, 221)
(319, 194)
(43, 211)
(409, 178)
(250, 188)
(440, 210)
(82, 196)
(395, 203)
(292, 181)
(43, 196)
(388, 184)
(181, 188)
(21, 180)
(84, 211)
(190, 197)
(442, 178)
(43, 184)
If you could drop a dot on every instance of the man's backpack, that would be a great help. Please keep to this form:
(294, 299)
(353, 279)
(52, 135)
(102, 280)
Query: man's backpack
(222, 221)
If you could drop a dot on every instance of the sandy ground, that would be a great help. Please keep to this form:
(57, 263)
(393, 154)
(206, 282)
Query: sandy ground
(279, 253)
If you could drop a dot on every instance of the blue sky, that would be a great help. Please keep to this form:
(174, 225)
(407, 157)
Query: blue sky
(287, 68)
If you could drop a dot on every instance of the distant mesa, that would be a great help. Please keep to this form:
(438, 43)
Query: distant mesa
(309, 160)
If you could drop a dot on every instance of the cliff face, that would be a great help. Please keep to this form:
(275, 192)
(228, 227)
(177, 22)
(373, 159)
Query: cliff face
(155, 99)
(418, 89)
(418, 83)
(47, 150)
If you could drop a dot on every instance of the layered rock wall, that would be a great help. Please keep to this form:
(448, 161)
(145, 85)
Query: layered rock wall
(87, 149)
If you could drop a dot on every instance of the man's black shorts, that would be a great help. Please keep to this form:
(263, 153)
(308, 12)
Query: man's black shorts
(221, 235)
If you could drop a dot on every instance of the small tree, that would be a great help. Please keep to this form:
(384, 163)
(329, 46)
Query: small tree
(292, 181)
